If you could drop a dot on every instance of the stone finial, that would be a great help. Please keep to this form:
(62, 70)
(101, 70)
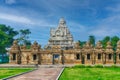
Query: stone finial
(118, 43)
(62, 21)
(15, 42)
(35, 43)
(109, 45)
(109, 48)
(88, 45)
(39, 46)
(99, 45)
(15, 45)
(35, 46)
(77, 45)
(23, 47)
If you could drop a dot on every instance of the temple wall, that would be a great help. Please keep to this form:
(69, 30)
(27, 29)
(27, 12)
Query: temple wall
(46, 58)
(69, 58)
(117, 58)
(109, 61)
(98, 61)
(77, 55)
(79, 60)
(88, 61)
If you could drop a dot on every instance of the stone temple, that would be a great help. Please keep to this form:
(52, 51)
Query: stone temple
(61, 36)
(61, 50)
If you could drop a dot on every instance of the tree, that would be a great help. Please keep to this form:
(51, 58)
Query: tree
(6, 37)
(3, 41)
(92, 40)
(114, 41)
(105, 40)
(82, 43)
(24, 36)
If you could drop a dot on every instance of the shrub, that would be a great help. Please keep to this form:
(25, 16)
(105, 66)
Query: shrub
(114, 66)
(88, 66)
(98, 66)
(79, 66)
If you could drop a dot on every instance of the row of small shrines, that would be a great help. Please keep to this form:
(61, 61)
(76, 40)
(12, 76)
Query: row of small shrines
(77, 55)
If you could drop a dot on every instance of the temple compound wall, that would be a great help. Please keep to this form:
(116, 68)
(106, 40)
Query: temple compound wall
(78, 55)
(62, 50)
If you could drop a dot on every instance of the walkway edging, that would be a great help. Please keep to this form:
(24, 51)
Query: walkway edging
(60, 73)
(18, 74)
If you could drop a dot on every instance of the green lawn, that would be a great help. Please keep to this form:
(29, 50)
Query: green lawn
(91, 74)
(5, 72)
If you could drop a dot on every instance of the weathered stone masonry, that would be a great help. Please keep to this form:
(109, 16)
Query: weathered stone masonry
(77, 55)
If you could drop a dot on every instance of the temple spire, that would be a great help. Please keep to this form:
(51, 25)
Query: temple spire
(62, 21)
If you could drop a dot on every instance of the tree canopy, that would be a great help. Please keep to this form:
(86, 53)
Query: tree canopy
(7, 35)
(92, 39)
(24, 36)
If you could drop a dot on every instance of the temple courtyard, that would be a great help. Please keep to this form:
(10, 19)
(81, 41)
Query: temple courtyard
(60, 72)
(30, 72)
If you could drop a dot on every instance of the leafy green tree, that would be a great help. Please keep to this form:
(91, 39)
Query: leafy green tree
(82, 43)
(114, 41)
(105, 40)
(7, 35)
(92, 39)
(3, 41)
(24, 36)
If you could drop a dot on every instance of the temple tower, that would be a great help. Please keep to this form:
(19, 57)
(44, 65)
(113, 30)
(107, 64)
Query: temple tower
(60, 36)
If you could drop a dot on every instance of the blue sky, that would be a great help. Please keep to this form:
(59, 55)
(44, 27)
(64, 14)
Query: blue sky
(84, 17)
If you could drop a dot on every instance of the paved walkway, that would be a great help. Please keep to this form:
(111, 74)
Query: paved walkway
(40, 74)
(33, 66)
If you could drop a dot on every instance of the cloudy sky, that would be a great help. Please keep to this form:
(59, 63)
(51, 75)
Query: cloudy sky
(84, 17)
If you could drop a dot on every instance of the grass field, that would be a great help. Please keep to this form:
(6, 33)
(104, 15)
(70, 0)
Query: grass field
(91, 74)
(5, 72)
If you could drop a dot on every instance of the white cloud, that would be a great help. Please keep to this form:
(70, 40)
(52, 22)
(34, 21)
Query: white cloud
(114, 9)
(105, 31)
(10, 1)
(107, 27)
(14, 18)
(76, 27)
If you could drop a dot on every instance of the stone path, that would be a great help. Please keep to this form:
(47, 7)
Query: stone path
(40, 74)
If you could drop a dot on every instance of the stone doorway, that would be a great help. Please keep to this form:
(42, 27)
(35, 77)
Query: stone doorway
(83, 60)
(56, 58)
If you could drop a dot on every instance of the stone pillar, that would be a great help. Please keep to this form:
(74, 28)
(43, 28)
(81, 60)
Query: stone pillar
(62, 54)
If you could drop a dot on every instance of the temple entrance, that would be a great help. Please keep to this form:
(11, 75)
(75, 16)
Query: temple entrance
(56, 58)
(83, 60)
